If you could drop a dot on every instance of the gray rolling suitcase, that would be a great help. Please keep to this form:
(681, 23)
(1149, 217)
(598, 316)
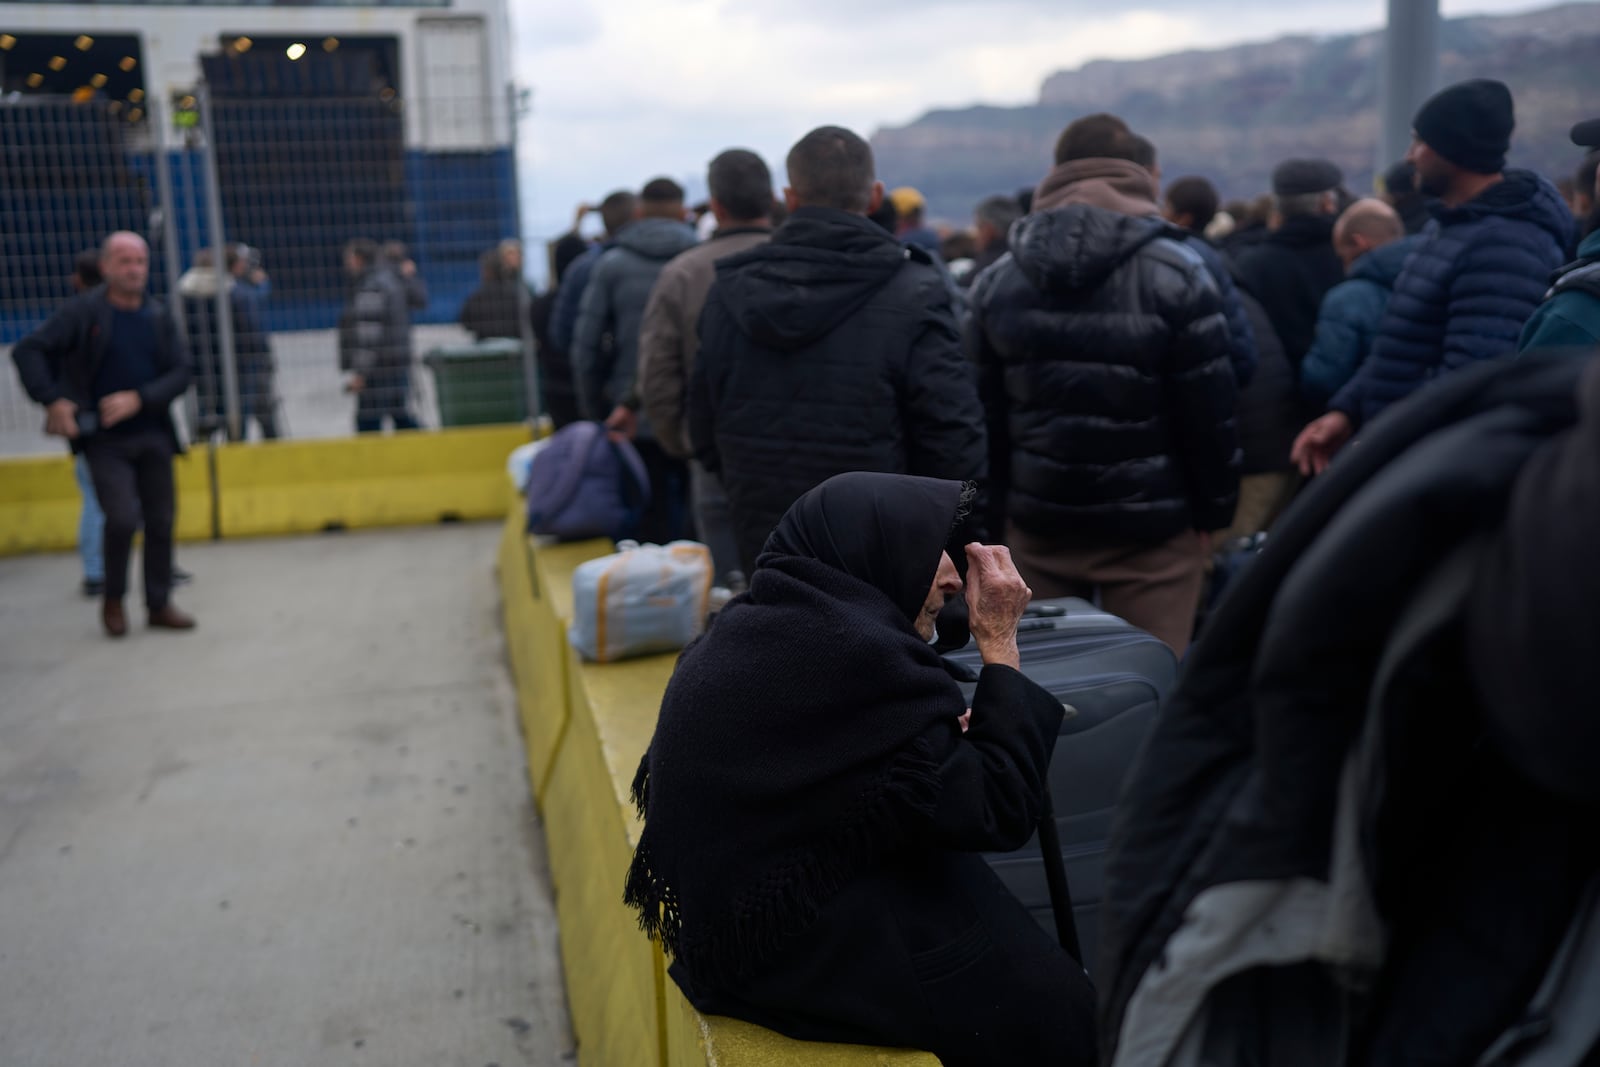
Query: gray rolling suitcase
(1114, 677)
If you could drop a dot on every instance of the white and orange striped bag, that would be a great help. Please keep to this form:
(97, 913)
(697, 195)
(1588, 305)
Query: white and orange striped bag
(644, 599)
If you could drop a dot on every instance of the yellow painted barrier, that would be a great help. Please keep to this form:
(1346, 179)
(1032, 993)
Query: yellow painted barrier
(411, 478)
(286, 487)
(40, 504)
(695, 1040)
(536, 636)
(625, 1010)
(612, 970)
(519, 606)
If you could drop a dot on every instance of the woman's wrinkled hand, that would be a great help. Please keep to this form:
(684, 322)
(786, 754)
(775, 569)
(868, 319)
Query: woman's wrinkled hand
(996, 599)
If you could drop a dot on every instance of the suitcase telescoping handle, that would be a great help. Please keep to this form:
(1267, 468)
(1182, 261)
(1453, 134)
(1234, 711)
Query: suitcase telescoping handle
(1055, 876)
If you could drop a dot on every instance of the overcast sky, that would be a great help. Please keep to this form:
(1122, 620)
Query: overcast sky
(624, 90)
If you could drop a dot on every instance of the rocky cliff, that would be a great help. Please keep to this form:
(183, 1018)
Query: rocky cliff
(1232, 114)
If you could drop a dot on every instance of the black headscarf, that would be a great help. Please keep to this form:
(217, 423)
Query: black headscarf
(885, 529)
(799, 739)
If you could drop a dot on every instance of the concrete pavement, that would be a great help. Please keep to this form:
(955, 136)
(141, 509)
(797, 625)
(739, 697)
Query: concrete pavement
(298, 836)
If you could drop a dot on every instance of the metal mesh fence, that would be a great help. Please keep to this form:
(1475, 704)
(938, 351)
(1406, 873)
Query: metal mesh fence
(347, 255)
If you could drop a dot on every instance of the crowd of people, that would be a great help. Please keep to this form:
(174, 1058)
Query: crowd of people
(1115, 390)
(1132, 374)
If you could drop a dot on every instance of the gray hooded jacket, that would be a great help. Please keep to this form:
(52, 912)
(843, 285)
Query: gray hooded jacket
(613, 303)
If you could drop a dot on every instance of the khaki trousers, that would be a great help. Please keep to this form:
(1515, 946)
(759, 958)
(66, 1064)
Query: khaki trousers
(1262, 498)
(1154, 587)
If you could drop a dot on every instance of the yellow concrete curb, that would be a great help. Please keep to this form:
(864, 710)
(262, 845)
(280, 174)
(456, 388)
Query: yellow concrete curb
(410, 478)
(40, 504)
(286, 487)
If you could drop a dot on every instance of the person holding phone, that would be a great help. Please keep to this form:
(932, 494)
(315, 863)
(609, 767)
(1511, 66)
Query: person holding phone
(106, 366)
(814, 810)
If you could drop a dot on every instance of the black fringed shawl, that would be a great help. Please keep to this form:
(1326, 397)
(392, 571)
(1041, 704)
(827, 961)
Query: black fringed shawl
(798, 738)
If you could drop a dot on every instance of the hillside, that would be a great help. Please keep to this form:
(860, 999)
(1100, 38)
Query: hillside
(1232, 114)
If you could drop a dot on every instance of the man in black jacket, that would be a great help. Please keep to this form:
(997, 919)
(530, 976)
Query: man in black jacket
(106, 366)
(1104, 369)
(1296, 265)
(375, 340)
(830, 349)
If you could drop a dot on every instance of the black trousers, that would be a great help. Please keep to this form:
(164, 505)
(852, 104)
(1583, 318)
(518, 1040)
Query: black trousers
(387, 392)
(667, 518)
(931, 952)
(133, 480)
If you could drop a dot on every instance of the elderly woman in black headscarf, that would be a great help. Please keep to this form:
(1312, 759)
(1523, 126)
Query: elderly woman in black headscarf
(814, 796)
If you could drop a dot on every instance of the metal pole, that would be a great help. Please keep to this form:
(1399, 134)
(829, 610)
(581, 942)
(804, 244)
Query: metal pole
(530, 361)
(230, 369)
(1409, 74)
(168, 214)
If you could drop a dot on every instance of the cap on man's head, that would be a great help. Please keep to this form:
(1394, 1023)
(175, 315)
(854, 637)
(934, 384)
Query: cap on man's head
(907, 201)
(1301, 177)
(1587, 134)
(1469, 125)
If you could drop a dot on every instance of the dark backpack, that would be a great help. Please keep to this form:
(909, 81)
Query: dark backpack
(582, 484)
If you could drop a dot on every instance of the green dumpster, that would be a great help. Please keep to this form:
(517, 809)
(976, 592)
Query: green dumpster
(480, 383)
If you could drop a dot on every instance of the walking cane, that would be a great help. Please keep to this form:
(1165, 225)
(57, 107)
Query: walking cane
(1055, 876)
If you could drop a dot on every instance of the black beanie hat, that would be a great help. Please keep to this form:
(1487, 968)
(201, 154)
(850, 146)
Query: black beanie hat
(1469, 124)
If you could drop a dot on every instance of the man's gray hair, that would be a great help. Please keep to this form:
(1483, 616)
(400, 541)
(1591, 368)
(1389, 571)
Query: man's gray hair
(998, 211)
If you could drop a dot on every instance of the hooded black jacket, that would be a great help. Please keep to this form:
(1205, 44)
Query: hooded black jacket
(1290, 272)
(830, 349)
(1104, 368)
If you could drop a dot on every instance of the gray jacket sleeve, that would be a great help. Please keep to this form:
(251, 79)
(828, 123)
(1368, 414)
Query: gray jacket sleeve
(590, 368)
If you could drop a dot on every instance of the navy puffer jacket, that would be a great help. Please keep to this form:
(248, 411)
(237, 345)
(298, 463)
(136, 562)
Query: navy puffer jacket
(1478, 273)
(1104, 370)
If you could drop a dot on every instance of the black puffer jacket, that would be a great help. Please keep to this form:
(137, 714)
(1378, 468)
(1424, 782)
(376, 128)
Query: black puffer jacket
(1103, 359)
(830, 349)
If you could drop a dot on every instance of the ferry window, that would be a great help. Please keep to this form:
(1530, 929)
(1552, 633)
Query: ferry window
(86, 67)
(261, 66)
